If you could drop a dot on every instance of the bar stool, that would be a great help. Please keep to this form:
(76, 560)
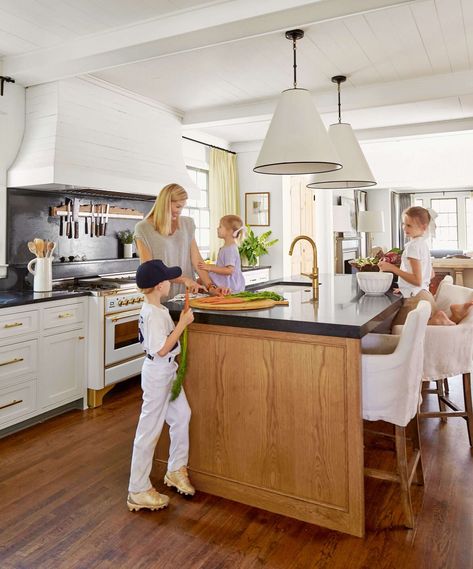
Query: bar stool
(392, 378)
(448, 352)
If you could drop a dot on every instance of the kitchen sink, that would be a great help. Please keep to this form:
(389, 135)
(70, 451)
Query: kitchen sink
(287, 288)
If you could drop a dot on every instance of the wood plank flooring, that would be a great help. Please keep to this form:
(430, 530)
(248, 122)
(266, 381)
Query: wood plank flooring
(63, 489)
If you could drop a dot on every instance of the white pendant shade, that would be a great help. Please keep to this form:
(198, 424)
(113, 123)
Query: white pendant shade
(355, 172)
(297, 141)
(371, 221)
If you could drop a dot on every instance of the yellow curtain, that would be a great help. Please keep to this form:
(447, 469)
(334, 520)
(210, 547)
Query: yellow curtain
(224, 192)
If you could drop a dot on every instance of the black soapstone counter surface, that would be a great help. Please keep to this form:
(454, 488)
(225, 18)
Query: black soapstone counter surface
(342, 310)
(19, 298)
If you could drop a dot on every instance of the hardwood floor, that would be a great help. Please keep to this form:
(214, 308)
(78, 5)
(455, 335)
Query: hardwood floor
(63, 489)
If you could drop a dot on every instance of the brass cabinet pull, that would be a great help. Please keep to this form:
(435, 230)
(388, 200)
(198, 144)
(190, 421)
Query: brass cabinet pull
(81, 337)
(15, 402)
(65, 315)
(13, 325)
(13, 361)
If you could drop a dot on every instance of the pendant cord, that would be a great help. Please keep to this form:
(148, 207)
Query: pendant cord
(294, 50)
(339, 106)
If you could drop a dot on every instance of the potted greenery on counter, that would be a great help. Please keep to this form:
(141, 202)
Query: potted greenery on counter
(253, 246)
(126, 239)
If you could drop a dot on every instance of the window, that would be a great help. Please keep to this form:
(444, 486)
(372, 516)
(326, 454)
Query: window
(199, 210)
(447, 223)
(455, 218)
(469, 223)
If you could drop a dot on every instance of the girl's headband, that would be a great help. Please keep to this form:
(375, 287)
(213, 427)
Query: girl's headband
(237, 231)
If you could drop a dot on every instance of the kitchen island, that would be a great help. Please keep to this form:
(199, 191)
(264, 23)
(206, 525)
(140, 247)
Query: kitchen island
(276, 402)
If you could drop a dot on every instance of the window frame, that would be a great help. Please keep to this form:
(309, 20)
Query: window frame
(204, 250)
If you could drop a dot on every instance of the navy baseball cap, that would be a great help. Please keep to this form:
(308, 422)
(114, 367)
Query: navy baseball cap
(153, 272)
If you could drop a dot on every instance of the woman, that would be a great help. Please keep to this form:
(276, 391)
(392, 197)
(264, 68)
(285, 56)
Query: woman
(165, 234)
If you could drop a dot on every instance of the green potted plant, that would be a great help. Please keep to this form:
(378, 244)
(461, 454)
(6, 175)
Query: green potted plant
(126, 239)
(253, 246)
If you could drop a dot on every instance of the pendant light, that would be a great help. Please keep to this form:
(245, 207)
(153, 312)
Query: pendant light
(355, 173)
(297, 141)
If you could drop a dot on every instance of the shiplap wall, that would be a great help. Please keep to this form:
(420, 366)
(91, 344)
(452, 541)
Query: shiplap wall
(86, 134)
(12, 120)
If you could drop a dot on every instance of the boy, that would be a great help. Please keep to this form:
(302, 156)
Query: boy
(160, 341)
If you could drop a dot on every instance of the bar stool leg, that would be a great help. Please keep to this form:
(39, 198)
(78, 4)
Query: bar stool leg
(440, 394)
(419, 471)
(468, 405)
(401, 455)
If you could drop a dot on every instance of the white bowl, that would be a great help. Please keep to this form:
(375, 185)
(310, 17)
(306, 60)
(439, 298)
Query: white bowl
(374, 283)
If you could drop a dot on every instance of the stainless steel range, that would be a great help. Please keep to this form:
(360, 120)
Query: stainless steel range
(115, 353)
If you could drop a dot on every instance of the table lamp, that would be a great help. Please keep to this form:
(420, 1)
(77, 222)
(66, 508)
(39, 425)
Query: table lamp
(341, 223)
(370, 222)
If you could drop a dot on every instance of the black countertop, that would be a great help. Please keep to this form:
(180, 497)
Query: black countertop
(18, 298)
(342, 310)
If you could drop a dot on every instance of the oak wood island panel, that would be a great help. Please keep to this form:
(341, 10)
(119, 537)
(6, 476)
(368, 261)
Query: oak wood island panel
(276, 415)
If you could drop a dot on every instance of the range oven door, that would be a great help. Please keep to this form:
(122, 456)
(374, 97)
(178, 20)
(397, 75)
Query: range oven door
(121, 337)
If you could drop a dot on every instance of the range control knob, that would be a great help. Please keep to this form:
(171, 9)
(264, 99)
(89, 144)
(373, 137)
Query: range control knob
(120, 302)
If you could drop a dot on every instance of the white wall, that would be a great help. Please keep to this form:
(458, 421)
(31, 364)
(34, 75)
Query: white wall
(252, 182)
(12, 121)
(433, 161)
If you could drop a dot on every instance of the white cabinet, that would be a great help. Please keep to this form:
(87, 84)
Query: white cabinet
(42, 358)
(62, 376)
(256, 276)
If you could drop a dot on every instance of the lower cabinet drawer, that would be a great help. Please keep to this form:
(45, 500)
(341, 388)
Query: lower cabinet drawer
(18, 360)
(63, 316)
(15, 324)
(17, 401)
(254, 277)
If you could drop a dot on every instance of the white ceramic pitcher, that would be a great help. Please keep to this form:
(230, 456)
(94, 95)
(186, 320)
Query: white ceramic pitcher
(42, 269)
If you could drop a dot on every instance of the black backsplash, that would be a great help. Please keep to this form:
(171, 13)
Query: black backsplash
(28, 217)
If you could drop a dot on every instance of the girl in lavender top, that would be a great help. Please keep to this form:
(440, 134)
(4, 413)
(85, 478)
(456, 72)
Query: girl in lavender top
(226, 273)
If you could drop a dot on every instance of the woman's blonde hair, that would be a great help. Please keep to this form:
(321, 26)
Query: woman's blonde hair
(160, 214)
(418, 213)
(235, 223)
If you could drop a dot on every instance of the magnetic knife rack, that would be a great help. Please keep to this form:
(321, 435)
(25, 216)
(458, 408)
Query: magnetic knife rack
(114, 212)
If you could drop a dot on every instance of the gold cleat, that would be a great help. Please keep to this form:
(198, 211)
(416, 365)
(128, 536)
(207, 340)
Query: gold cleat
(179, 479)
(151, 500)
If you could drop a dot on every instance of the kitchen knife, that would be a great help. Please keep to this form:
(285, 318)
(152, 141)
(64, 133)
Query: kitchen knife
(61, 225)
(75, 217)
(101, 220)
(92, 220)
(107, 213)
(68, 220)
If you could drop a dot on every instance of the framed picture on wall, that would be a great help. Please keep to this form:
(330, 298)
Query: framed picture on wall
(351, 205)
(257, 208)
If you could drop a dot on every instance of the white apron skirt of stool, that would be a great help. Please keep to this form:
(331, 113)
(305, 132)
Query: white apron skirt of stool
(156, 381)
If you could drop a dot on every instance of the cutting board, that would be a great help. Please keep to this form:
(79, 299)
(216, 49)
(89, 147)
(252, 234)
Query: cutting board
(250, 305)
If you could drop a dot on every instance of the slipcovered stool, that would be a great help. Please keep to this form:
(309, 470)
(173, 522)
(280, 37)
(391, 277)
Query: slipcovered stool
(448, 352)
(391, 378)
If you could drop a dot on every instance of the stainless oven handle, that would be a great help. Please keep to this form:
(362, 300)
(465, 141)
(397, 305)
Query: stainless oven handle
(123, 316)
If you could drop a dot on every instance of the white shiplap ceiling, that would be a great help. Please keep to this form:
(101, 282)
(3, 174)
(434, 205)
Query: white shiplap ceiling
(222, 64)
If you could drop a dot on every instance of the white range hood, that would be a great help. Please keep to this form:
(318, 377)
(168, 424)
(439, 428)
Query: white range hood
(81, 133)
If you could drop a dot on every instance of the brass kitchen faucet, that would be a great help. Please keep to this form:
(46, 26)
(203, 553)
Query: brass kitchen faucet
(314, 275)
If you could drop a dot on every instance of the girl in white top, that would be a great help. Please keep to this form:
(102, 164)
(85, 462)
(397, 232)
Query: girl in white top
(415, 271)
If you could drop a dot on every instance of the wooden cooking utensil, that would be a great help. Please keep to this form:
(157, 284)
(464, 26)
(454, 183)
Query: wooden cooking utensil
(50, 248)
(31, 247)
(39, 246)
